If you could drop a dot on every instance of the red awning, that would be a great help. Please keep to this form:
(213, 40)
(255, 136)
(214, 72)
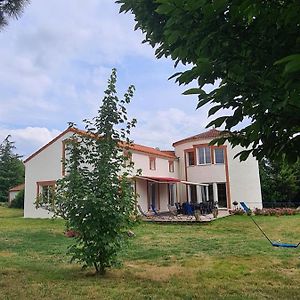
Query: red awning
(159, 179)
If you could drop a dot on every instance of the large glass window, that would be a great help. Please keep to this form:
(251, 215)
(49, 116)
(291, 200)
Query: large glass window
(222, 198)
(46, 192)
(204, 156)
(219, 155)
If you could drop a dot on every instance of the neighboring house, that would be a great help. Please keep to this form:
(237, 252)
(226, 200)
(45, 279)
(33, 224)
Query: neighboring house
(14, 191)
(194, 172)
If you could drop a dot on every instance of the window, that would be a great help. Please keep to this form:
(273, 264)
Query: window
(172, 193)
(152, 163)
(190, 155)
(171, 166)
(219, 155)
(204, 156)
(46, 191)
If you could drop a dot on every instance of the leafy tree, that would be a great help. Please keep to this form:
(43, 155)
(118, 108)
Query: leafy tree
(280, 183)
(12, 170)
(10, 9)
(96, 196)
(253, 47)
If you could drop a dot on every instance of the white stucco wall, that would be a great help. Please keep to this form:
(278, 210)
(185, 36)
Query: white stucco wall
(244, 179)
(206, 173)
(142, 197)
(141, 161)
(45, 166)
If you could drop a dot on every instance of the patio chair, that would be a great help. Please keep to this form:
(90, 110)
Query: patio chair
(188, 210)
(156, 213)
(140, 210)
(179, 208)
(173, 212)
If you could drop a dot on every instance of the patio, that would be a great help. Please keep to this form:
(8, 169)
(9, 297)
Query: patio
(167, 218)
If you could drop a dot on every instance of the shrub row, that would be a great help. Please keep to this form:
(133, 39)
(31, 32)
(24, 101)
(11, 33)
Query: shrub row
(268, 211)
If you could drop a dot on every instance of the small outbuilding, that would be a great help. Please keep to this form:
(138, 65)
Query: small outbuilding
(14, 191)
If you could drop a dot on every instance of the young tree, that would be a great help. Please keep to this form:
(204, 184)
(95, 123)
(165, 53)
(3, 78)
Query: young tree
(96, 195)
(10, 9)
(12, 169)
(252, 46)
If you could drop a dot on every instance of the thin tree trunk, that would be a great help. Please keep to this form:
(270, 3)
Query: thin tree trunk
(96, 268)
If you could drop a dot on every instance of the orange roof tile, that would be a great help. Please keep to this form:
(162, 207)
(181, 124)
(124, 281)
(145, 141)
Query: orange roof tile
(134, 147)
(152, 151)
(213, 133)
(17, 188)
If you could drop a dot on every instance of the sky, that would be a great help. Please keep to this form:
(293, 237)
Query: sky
(54, 65)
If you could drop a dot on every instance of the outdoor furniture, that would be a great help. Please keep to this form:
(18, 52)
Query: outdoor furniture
(188, 209)
(173, 212)
(140, 210)
(154, 210)
(179, 208)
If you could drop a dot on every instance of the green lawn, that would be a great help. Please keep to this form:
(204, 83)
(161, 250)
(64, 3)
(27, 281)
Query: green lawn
(227, 259)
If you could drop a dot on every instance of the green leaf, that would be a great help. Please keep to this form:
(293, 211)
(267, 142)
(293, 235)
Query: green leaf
(175, 75)
(194, 91)
(214, 109)
(287, 59)
(292, 66)
(217, 122)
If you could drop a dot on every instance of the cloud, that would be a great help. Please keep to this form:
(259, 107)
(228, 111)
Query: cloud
(29, 139)
(57, 58)
(162, 128)
(55, 62)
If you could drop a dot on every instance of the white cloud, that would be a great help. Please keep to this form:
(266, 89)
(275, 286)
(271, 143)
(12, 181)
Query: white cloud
(57, 57)
(161, 129)
(29, 139)
(54, 67)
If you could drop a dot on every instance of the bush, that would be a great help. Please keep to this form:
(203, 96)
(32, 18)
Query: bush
(18, 201)
(238, 211)
(275, 212)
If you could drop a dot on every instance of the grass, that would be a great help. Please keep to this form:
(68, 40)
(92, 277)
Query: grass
(227, 259)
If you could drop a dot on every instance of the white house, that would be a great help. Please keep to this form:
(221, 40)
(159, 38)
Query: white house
(193, 172)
